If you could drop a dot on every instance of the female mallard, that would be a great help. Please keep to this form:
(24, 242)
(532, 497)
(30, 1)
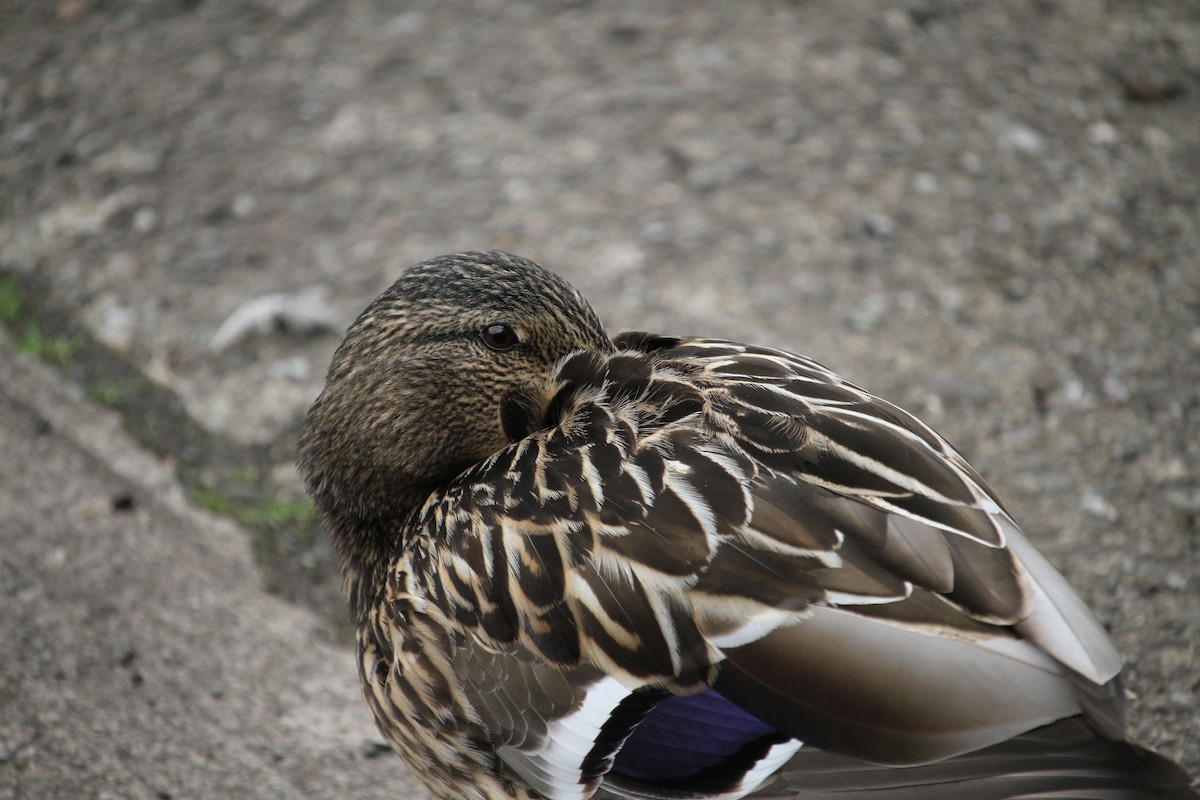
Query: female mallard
(663, 567)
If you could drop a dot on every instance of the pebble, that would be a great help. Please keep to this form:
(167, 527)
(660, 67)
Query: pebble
(262, 315)
(350, 129)
(878, 225)
(25, 133)
(85, 218)
(1022, 139)
(1094, 503)
(925, 183)
(1102, 133)
(125, 160)
(145, 219)
(1185, 499)
(619, 258)
(296, 368)
(868, 313)
(114, 323)
(243, 205)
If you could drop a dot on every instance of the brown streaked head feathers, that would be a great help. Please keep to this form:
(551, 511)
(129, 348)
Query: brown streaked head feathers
(414, 394)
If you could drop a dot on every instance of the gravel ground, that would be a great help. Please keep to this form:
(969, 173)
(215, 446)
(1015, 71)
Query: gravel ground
(988, 213)
(141, 659)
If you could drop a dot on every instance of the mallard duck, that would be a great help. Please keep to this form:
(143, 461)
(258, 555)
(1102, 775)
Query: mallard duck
(656, 566)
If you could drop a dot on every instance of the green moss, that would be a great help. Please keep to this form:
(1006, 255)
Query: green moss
(221, 477)
(11, 300)
(106, 394)
(277, 513)
(58, 349)
(214, 502)
(247, 476)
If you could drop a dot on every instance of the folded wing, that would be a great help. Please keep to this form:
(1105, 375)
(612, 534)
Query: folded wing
(705, 517)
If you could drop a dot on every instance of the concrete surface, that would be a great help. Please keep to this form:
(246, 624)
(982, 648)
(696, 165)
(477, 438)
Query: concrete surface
(141, 659)
(988, 213)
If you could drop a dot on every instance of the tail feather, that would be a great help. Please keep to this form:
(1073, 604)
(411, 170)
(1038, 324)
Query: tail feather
(1063, 761)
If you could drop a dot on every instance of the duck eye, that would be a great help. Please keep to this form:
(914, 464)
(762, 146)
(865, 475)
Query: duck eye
(499, 337)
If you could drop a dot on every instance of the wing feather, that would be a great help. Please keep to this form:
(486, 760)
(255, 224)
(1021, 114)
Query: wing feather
(745, 511)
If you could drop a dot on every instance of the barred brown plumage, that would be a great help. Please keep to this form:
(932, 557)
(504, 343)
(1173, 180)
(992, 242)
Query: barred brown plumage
(656, 567)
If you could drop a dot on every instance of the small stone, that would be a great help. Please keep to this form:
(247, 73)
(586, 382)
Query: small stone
(517, 189)
(280, 311)
(1147, 83)
(296, 368)
(145, 219)
(1022, 139)
(1171, 469)
(1116, 389)
(408, 22)
(878, 225)
(126, 160)
(1101, 134)
(925, 183)
(243, 206)
(619, 258)
(1073, 394)
(349, 130)
(657, 231)
(1157, 139)
(1094, 503)
(113, 322)
(294, 171)
(71, 10)
(869, 313)
(1185, 499)
(85, 217)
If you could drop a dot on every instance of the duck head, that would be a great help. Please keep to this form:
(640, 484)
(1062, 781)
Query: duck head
(452, 363)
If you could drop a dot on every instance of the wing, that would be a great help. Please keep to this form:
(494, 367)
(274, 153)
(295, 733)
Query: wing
(942, 629)
(704, 514)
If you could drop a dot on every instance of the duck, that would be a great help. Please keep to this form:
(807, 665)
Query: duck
(652, 566)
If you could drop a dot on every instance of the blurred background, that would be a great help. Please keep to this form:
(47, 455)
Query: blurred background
(987, 213)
